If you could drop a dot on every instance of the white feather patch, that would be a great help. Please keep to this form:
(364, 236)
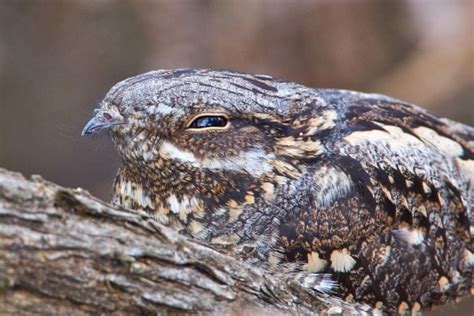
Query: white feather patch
(253, 161)
(444, 284)
(183, 206)
(399, 140)
(411, 236)
(319, 282)
(126, 189)
(444, 144)
(466, 167)
(315, 263)
(469, 258)
(141, 198)
(170, 151)
(341, 260)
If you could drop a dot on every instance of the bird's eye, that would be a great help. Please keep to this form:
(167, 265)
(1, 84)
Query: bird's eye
(106, 116)
(209, 121)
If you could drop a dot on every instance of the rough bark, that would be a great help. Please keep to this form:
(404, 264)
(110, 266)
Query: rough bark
(62, 251)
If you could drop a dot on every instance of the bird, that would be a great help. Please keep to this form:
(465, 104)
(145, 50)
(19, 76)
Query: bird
(375, 192)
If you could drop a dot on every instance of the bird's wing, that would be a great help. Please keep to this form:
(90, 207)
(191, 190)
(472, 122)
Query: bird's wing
(398, 136)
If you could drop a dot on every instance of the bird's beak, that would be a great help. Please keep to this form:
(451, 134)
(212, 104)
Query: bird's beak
(103, 118)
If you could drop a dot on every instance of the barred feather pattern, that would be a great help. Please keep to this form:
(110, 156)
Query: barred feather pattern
(371, 192)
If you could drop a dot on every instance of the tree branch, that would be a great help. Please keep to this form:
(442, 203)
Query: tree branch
(64, 251)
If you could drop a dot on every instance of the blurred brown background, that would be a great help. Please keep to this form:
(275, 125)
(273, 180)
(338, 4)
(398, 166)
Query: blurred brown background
(58, 58)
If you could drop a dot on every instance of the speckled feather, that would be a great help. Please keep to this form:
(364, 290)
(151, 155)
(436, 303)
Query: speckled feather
(371, 190)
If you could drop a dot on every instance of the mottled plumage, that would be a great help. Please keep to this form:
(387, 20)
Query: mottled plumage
(376, 192)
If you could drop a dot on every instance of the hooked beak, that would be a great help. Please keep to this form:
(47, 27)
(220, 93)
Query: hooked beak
(102, 119)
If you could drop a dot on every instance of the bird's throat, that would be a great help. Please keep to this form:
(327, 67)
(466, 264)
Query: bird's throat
(187, 198)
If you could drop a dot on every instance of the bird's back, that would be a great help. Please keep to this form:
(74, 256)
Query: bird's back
(391, 217)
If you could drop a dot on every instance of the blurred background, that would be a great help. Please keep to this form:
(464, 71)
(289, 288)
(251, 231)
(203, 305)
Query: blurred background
(59, 58)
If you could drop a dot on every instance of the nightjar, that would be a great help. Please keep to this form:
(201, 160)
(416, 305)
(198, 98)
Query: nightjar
(376, 192)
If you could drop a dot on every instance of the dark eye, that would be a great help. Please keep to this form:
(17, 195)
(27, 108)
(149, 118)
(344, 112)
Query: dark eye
(209, 121)
(106, 116)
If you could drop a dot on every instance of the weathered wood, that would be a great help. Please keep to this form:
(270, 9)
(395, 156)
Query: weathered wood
(62, 251)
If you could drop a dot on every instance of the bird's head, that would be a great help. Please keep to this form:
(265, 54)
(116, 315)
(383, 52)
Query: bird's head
(211, 119)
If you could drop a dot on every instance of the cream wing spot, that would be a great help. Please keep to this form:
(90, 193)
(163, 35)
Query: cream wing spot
(342, 261)
(443, 283)
(411, 236)
(469, 258)
(315, 263)
(444, 144)
(426, 188)
(393, 135)
(387, 194)
(269, 190)
(403, 307)
(416, 308)
(466, 167)
(440, 199)
(250, 198)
